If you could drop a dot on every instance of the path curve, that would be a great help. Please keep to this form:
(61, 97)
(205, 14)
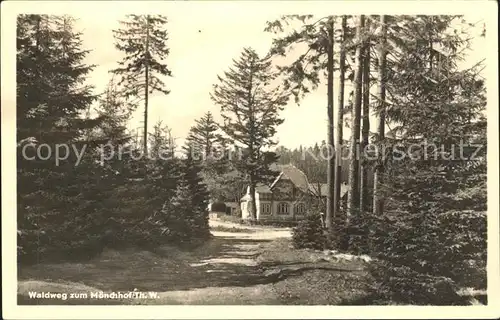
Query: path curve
(224, 271)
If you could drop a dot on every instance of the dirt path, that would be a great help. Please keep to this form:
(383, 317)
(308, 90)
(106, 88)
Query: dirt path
(224, 271)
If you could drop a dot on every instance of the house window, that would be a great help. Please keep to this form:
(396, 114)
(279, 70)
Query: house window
(265, 208)
(283, 208)
(300, 208)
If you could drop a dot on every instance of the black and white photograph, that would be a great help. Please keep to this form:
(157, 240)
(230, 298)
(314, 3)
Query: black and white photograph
(301, 154)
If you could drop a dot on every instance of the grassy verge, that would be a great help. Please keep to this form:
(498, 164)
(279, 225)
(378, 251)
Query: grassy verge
(229, 218)
(310, 278)
(231, 229)
(272, 223)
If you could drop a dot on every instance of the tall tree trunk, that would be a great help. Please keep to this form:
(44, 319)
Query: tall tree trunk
(253, 152)
(378, 180)
(331, 158)
(340, 124)
(253, 206)
(146, 87)
(137, 140)
(365, 131)
(353, 195)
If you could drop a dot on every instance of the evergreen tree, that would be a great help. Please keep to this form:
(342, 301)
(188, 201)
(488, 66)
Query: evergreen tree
(433, 227)
(176, 215)
(330, 177)
(192, 175)
(205, 143)
(57, 201)
(204, 137)
(378, 202)
(164, 169)
(184, 217)
(339, 141)
(250, 107)
(316, 37)
(303, 74)
(143, 40)
(353, 196)
(365, 130)
(115, 113)
(50, 71)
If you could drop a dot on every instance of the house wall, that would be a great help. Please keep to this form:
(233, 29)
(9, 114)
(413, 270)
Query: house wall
(257, 203)
(278, 215)
(274, 214)
(260, 200)
(245, 214)
(285, 192)
(233, 207)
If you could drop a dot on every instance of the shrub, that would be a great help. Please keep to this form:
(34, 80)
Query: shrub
(338, 240)
(309, 233)
(120, 212)
(402, 285)
(229, 218)
(218, 207)
(428, 246)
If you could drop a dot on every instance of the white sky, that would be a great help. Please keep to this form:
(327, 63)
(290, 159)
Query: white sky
(196, 58)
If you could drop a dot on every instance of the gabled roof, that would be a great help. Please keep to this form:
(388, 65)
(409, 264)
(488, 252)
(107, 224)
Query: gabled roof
(262, 188)
(299, 179)
(296, 176)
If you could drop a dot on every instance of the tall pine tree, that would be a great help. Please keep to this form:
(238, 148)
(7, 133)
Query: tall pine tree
(353, 195)
(432, 234)
(204, 137)
(57, 200)
(250, 108)
(143, 39)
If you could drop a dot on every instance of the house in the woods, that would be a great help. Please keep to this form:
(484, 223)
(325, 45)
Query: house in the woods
(287, 197)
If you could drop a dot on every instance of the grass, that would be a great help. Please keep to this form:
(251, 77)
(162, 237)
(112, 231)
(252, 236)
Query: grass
(166, 270)
(229, 218)
(313, 280)
(282, 275)
(280, 223)
(231, 229)
(272, 223)
(191, 276)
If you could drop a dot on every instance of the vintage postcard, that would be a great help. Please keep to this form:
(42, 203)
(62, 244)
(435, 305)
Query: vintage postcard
(250, 159)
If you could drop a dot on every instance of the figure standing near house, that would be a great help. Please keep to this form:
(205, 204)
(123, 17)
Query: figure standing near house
(322, 218)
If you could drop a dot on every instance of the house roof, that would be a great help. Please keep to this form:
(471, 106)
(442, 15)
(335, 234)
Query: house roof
(299, 179)
(323, 189)
(296, 176)
(262, 188)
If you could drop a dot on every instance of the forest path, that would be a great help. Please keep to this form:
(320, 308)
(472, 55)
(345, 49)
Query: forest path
(223, 271)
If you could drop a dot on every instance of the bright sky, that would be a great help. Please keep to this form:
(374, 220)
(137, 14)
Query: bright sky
(196, 58)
